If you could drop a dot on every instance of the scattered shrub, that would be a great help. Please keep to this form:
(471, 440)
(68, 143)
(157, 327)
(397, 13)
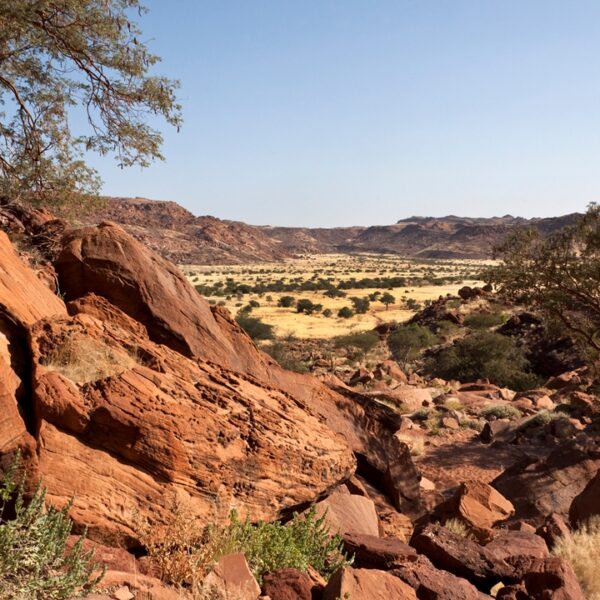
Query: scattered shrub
(285, 358)
(582, 550)
(34, 562)
(543, 418)
(501, 411)
(484, 355)
(363, 341)
(345, 313)
(184, 552)
(286, 301)
(327, 312)
(254, 327)
(484, 320)
(308, 307)
(406, 342)
(361, 305)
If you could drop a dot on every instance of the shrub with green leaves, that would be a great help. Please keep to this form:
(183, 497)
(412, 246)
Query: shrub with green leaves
(501, 411)
(407, 342)
(184, 551)
(363, 341)
(304, 542)
(34, 563)
(254, 327)
(285, 358)
(484, 355)
(484, 320)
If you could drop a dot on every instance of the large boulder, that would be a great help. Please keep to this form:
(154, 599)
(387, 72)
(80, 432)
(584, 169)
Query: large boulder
(478, 505)
(152, 427)
(586, 504)
(538, 488)
(372, 552)
(544, 579)
(290, 584)
(107, 261)
(435, 584)
(349, 513)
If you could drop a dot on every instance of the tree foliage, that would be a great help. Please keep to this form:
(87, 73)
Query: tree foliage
(558, 275)
(60, 55)
(484, 355)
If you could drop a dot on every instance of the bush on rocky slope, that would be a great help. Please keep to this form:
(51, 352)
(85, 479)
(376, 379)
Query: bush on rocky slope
(484, 355)
(185, 553)
(34, 564)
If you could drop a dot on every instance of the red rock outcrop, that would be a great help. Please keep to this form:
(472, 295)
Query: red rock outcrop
(107, 261)
(163, 428)
(24, 299)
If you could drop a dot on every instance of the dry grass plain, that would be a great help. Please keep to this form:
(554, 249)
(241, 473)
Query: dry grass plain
(425, 280)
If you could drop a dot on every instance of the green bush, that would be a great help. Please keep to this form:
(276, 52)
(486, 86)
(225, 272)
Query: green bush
(484, 320)
(308, 307)
(254, 327)
(501, 411)
(345, 313)
(361, 305)
(363, 341)
(286, 301)
(34, 564)
(304, 542)
(285, 358)
(183, 551)
(406, 342)
(484, 355)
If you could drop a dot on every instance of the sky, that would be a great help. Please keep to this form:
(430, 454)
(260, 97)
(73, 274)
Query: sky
(334, 113)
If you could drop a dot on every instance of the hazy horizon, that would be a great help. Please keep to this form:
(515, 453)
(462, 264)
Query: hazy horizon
(355, 113)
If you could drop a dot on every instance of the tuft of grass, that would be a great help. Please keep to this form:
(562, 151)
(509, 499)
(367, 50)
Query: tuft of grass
(185, 552)
(416, 444)
(84, 360)
(453, 404)
(458, 527)
(34, 563)
(582, 550)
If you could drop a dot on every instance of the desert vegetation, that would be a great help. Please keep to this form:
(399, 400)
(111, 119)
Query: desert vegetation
(184, 553)
(35, 563)
(328, 295)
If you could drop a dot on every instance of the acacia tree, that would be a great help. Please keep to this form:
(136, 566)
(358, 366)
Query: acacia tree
(558, 275)
(57, 56)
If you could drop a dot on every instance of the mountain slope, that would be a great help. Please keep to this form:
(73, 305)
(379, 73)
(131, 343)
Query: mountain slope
(177, 234)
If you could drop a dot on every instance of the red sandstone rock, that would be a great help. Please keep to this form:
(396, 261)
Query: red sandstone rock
(478, 505)
(290, 584)
(367, 584)
(168, 428)
(586, 504)
(232, 579)
(349, 513)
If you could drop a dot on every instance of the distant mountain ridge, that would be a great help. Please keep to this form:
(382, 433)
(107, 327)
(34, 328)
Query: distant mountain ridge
(176, 233)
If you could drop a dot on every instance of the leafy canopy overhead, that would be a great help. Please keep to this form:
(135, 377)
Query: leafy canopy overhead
(60, 55)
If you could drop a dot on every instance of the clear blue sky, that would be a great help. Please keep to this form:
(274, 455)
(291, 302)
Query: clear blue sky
(326, 113)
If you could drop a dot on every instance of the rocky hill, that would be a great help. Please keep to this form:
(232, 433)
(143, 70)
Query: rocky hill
(178, 235)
